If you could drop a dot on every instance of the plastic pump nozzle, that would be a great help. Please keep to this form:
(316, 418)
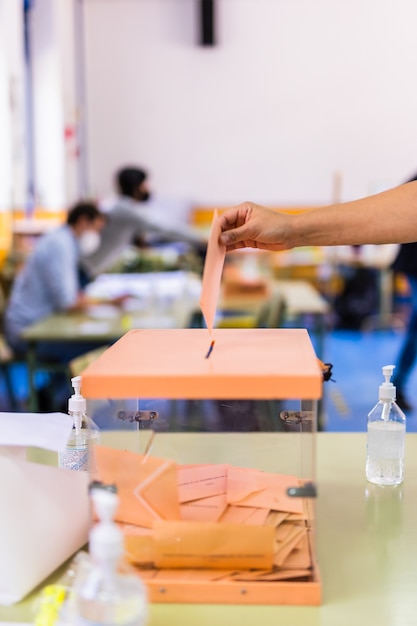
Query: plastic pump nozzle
(77, 404)
(387, 391)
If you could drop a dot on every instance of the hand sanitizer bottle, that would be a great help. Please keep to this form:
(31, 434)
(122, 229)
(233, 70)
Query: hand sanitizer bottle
(107, 594)
(78, 454)
(386, 436)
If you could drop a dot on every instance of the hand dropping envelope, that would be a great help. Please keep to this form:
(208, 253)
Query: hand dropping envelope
(212, 273)
(147, 486)
(45, 510)
(250, 487)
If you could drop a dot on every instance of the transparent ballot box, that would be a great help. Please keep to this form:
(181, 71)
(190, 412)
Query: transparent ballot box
(213, 455)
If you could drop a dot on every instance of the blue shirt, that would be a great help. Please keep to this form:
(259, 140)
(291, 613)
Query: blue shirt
(47, 283)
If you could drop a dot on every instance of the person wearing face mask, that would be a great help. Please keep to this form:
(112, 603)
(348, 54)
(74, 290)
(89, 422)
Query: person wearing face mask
(131, 217)
(49, 281)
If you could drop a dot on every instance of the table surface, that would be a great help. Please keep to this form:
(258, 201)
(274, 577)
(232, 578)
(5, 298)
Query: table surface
(367, 551)
(104, 322)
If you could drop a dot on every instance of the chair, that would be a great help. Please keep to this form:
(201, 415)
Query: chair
(258, 313)
(7, 361)
(7, 357)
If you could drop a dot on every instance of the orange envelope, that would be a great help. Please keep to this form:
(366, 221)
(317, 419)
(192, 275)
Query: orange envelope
(147, 486)
(212, 273)
(279, 574)
(205, 509)
(283, 531)
(139, 549)
(244, 515)
(300, 557)
(275, 518)
(201, 481)
(191, 575)
(213, 546)
(258, 517)
(237, 514)
(250, 487)
(284, 549)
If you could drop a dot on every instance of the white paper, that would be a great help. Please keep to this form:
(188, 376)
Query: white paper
(94, 327)
(50, 431)
(45, 518)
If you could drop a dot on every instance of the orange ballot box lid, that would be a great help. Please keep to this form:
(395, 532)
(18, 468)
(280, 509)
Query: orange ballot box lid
(243, 363)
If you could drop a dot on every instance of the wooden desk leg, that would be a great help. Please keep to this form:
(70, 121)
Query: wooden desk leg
(31, 363)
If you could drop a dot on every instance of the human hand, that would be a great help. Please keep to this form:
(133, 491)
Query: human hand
(119, 300)
(250, 225)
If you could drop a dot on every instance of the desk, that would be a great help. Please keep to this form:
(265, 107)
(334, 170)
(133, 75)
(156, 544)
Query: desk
(367, 551)
(288, 302)
(323, 266)
(283, 301)
(301, 299)
(158, 300)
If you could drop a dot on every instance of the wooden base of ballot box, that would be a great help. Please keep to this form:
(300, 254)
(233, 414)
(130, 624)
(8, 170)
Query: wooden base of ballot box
(267, 593)
(184, 586)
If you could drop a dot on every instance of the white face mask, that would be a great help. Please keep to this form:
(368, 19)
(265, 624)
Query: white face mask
(89, 242)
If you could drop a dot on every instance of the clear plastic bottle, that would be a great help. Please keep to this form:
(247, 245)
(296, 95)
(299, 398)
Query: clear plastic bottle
(79, 451)
(107, 593)
(386, 436)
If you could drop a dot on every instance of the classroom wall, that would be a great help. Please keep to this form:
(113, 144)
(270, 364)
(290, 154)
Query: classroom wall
(55, 108)
(294, 92)
(13, 162)
(13, 137)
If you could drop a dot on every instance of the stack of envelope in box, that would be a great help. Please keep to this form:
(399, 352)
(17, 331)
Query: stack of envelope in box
(207, 522)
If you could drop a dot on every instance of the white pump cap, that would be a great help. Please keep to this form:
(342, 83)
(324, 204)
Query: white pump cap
(387, 391)
(77, 403)
(106, 539)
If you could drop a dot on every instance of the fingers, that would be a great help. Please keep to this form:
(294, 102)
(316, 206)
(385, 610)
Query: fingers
(235, 246)
(249, 225)
(232, 223)
(234, 237)
(235, 216)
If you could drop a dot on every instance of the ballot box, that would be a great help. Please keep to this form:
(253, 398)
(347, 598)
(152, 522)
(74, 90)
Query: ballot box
(210, 440)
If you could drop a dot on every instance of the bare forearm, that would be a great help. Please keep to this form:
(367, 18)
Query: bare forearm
(388, 217)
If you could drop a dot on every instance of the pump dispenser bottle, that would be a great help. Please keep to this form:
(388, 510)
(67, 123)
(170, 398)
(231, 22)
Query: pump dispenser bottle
(106, 593)
(85, 433)
(386, 436)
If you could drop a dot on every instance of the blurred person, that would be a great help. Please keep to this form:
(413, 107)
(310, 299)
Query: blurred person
(132, 218)
(49, 281)
(406, 263)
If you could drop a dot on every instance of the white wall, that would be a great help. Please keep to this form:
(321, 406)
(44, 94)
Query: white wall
(295, 91)
(12, 109)
(54, 103)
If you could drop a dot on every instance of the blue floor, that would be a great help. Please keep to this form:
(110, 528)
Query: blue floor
(357, 359)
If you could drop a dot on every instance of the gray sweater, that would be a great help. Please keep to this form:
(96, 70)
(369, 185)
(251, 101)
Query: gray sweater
(127, 219)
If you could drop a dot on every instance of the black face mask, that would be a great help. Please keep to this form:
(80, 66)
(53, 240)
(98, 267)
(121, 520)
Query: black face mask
(144, 196)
